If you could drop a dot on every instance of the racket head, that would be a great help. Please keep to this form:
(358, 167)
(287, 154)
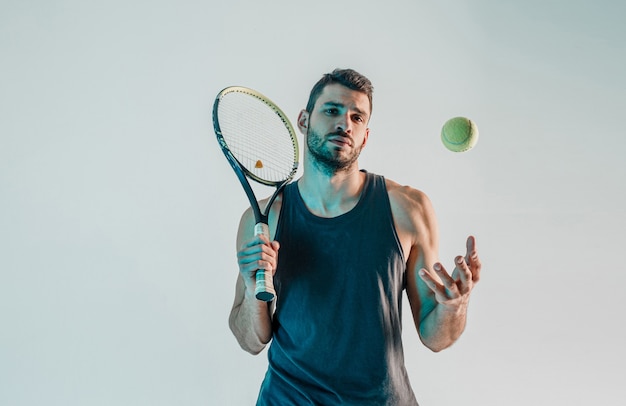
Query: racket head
(255, 133)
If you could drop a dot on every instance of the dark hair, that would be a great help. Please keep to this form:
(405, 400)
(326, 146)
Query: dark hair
(346, 77)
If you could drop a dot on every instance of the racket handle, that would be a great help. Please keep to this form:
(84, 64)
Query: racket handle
(264, 289)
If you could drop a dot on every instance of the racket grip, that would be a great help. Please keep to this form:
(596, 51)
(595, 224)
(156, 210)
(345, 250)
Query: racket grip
(264, 289)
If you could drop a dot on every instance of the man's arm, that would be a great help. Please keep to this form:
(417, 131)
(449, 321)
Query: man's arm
(440, 328)
(250, 319)
(438, 301)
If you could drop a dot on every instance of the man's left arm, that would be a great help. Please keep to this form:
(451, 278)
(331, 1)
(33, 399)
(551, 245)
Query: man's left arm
(445, 321)
(438, 300)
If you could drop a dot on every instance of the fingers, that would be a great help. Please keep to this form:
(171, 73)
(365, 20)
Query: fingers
(465, 278)
(258, 253)
(447, 280)
(458, 284)
(444, 290)
(275, 245)
(472, 259)
(438, 289)
(450, 287)
(256, 244)
(470, 248)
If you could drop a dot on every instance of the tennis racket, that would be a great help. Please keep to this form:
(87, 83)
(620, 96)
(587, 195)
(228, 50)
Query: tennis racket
(260, 144)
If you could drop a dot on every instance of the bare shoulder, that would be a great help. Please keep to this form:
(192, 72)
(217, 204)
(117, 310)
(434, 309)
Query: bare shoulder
(408, 201)
(412, 211)
(247, 221)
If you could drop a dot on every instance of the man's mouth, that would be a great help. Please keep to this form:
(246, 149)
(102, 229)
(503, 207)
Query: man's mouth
(340, 140)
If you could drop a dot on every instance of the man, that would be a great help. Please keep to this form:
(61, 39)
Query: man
(350, 242)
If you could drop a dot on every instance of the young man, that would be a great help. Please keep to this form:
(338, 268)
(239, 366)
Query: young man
(350, 242)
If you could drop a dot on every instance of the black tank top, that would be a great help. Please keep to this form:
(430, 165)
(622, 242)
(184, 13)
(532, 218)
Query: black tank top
(337, 326)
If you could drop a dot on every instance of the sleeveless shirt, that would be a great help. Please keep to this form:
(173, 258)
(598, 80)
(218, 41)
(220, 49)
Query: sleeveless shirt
(337, 325)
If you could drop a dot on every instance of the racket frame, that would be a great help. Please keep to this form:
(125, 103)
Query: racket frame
(264, 289)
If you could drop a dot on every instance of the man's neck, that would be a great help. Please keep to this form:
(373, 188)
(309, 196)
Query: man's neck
(331, 195)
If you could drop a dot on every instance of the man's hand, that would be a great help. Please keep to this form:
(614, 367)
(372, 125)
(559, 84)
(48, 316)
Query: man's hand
(452, 291)
(250, 319)
(257, 253)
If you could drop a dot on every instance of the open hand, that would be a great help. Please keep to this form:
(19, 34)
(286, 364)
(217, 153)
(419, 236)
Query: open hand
(454, 289)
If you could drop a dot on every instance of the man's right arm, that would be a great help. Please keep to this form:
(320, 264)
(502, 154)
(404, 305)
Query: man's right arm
(250, 319)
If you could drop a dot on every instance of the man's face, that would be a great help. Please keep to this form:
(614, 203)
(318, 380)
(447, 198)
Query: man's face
(337, 127)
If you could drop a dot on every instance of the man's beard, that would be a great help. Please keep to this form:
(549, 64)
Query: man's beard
(325, 158)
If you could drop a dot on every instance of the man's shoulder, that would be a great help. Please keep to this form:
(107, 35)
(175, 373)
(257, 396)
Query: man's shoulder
(412, 212)
(406, 196)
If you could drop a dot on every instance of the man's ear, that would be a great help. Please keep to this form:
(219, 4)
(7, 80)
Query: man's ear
(367, 135)
(303, 121)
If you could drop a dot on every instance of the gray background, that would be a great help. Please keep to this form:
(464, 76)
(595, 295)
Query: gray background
(119, 213)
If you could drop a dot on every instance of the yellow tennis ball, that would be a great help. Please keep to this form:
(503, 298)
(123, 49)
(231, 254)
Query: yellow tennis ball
(459, 134)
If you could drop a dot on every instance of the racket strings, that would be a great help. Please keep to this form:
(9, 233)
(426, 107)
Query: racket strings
(257, 136)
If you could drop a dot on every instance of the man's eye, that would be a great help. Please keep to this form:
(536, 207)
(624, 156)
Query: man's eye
(331, 111)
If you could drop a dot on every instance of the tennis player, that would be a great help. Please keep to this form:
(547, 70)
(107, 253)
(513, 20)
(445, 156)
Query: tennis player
(350, 243)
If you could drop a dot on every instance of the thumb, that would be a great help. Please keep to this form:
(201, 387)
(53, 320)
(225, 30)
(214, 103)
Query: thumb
(275, 245)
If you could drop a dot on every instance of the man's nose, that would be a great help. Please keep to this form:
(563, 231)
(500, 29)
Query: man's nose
(343, 123)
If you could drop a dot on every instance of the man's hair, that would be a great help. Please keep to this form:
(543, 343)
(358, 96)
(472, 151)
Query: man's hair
(346, 77)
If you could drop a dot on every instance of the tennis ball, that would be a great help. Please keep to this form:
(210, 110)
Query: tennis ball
(459, 134)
